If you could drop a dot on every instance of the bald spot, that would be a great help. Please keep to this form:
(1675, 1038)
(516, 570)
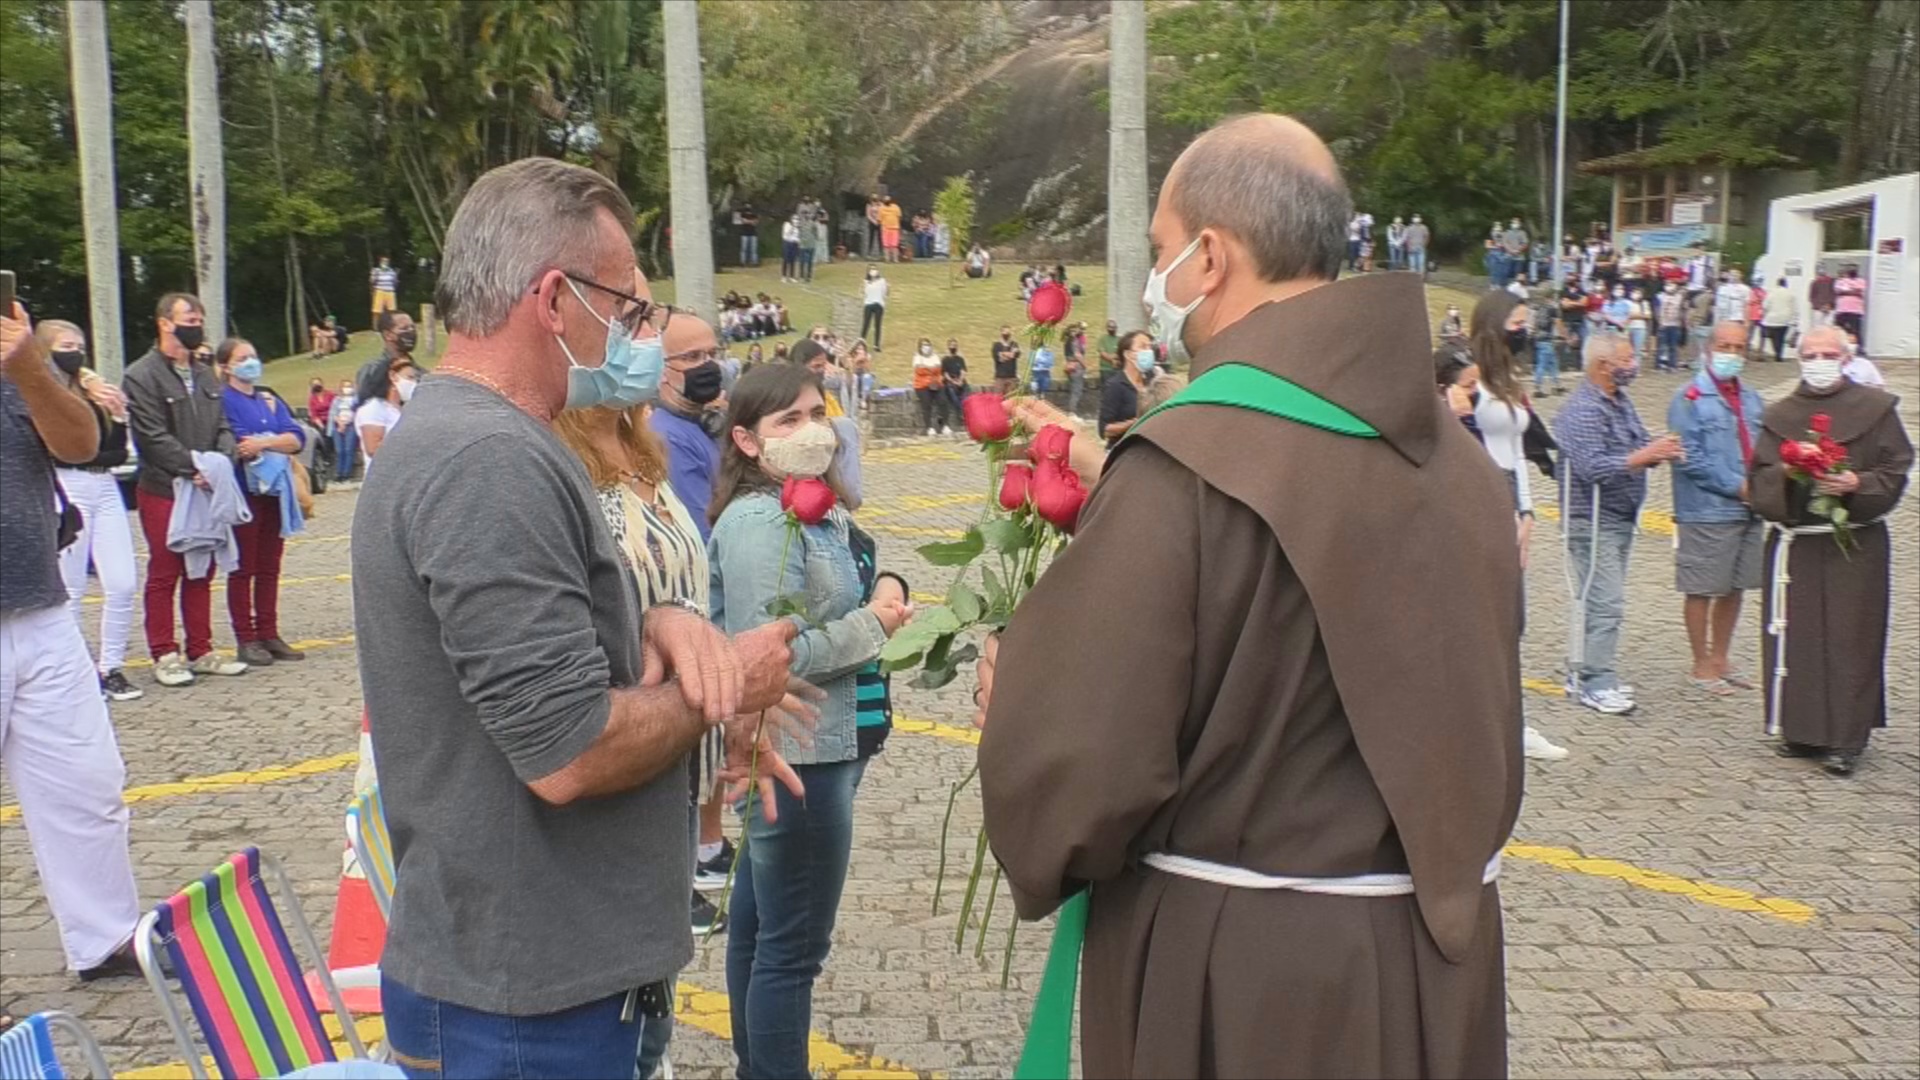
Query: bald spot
(1264, 134)
(1730, 336)
(687, 333)
(1831, 337)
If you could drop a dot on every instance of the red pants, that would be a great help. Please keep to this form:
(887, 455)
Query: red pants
(253, 590)
(165, 570)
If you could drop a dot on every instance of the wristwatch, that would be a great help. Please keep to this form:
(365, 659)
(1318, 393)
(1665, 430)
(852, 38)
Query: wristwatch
(683, 603)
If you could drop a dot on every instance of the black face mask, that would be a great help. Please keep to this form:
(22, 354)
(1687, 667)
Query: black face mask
(1517, 340)
(702, 383)
(190, 337)
(405, 340)
(70, 361)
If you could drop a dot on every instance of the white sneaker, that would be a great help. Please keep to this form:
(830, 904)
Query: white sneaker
(1540, 748)
(946, 430)
(929, 433)
(172, 670)
(1607, 702)
(215, 664)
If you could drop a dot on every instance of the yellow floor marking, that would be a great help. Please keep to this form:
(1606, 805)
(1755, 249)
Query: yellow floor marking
(200, 785)
(1653, 522)
(911, 504)
(917, 531)
(221, 585)
(309, 645)
(1559, 858)
(295, 542)
(923, 454)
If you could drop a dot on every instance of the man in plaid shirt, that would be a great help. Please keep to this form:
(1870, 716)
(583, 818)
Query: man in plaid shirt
(1606, 452)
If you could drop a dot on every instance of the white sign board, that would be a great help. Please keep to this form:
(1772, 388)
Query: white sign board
(1691, 212)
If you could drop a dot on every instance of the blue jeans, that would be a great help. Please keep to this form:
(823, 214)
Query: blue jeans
(1546, 364)
(1417, 261)
(432, 1038)
(786, 892)
(1042, 381)
(806, 263)
(1671, 338)
(346, 447)
(1602, 576)
(1638, 335)
(749, 249)
(1496, 262)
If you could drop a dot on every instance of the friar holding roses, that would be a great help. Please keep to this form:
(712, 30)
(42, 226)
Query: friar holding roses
(1830, 595)
(1286, 763)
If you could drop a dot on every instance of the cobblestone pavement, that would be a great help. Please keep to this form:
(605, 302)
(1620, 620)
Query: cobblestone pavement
(1682, 903)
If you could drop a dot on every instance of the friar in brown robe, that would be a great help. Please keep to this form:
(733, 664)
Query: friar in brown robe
(1280, 649)
(1832, 693)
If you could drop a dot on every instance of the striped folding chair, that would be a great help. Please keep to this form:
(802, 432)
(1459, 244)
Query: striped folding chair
(27, 1051)
(372, 847)
(241, 977)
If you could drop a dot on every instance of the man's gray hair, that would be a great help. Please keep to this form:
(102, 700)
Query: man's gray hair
(518, 222)
(1291, 216)
(1602, 345)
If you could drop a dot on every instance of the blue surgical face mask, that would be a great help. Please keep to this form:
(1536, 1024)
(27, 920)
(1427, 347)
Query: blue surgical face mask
(248, 370)
(629, 374)
(1143, 359)
(1726, 365)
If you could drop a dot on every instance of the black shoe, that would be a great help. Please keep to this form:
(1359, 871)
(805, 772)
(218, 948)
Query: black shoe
(124, 964)
(115, 686)
(1840, 762)
(280, 650)
(254, 654)
(711, 875)
(707, 919)
(1797, 750)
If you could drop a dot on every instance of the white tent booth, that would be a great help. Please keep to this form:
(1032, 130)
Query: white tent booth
(1874, 226)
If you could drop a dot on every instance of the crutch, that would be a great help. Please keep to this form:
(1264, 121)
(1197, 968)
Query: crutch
(1577, 592)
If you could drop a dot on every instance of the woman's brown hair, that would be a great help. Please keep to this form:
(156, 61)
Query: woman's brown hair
(759, 394)
(646, 455)
(1487, 340)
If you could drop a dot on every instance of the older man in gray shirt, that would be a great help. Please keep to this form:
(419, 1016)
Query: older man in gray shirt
(531, 730)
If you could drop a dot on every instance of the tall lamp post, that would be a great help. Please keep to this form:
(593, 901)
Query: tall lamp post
(1560, 150)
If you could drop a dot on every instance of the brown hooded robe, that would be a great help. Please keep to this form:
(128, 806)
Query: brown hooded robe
(1293, 652)
(1835, 692)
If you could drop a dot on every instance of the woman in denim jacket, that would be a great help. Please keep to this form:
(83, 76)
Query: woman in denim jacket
(793, 862)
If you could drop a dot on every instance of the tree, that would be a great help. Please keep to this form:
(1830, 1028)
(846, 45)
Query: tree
(954, 205)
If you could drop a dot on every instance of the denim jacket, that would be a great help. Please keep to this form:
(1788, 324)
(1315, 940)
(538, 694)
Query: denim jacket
(842, 638)
(1706, 485)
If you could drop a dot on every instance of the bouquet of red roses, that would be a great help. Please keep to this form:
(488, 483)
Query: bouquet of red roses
(1032, 508)
(1820, 457)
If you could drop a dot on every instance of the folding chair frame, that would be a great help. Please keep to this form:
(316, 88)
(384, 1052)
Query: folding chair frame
(144, 939)
(38, 1029)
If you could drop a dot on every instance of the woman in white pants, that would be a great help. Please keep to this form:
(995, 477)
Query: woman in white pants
(106, 538)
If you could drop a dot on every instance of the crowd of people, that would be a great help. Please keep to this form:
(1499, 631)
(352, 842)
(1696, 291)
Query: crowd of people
(672, 610)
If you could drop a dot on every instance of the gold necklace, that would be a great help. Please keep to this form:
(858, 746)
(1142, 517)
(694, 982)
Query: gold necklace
(474, 376)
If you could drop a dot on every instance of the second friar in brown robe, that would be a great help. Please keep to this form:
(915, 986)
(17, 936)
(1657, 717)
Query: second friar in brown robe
(1288, 651)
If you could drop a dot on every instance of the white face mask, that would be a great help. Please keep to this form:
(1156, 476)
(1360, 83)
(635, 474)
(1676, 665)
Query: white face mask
(406, 390)
(926, 350)
(1820, 374)
(805, 453)
(1165, 319)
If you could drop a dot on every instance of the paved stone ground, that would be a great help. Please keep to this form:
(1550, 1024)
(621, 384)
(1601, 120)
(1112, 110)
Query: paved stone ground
(1631, 950)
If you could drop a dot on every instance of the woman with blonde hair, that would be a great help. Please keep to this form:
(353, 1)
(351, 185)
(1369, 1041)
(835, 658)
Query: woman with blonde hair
(662, 549)
(106, 536)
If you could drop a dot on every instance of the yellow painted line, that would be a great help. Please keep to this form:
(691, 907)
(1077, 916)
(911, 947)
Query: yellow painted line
(912, 504)
(917, 531)
(1654, 522)
(1559, 858)
(924, 454)
(1544, 686)
(200, 785)
(339, 538)
(309, 645)
(1698, 891)
(285, 583)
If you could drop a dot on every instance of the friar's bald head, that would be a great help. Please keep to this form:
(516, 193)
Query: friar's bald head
(1273, 185)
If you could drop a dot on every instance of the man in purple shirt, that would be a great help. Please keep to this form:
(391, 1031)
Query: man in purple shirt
(266, 434)
(691, 383)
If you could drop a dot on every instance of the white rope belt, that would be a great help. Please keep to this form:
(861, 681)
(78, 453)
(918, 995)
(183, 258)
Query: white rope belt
(1239, 878)
(1777, 625)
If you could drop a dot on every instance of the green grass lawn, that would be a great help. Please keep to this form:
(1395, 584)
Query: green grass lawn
(925, 301)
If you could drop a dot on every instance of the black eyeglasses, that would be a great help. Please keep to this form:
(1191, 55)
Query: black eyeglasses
(635, 310)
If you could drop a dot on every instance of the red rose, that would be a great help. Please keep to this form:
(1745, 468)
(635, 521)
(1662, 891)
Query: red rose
(1049, 304)
(1050, 445)
(1832, 451)
(1015, 486)
(987, 418)
(1058, 496)
(806, 499)
(1821, 423)
(1693, 392)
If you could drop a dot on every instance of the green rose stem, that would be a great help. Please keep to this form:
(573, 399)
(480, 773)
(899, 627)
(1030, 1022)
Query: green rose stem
(973, 885)
(986, 917)
(946, 826)
(1006, 958)
(746, 829)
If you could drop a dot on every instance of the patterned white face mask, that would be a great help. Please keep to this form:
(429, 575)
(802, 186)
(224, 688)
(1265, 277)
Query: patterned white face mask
(805, 453)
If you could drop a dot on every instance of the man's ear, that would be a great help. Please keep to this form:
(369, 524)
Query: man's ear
(546, 301)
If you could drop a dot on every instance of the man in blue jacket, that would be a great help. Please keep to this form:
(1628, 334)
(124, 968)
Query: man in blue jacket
(1718, 421)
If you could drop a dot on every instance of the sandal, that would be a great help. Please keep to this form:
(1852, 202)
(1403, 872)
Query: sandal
(1738, 680)
(1716, 687)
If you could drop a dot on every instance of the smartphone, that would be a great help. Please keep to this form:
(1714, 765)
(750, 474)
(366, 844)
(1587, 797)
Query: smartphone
(6, 293)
